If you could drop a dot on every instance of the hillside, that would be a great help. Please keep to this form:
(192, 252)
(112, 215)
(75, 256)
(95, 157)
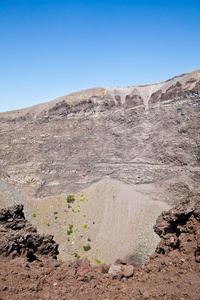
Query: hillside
(140, 144)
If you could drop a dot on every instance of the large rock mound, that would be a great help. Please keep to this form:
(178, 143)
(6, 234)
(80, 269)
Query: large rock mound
(19, 237)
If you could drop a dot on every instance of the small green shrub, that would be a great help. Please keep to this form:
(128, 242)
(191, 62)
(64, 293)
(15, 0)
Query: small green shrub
(34, 215)
(44, 207)
(70, 199)
(98, 261)
(89, 239)
(56, 217)
(85, 226)
(86, 248)
(47, 224)
(55, 213)
(76, 255)
(70, 229)
(69, 206)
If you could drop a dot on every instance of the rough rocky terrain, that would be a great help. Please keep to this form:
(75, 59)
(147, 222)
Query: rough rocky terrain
(19, 237)
(173, 271)
(139, 135)
(138, 146)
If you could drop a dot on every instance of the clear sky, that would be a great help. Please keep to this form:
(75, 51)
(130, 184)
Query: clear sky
(49, 48)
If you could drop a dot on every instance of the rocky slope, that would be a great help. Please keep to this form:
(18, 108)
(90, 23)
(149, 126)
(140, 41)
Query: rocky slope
(145, 138)
(138, 135)
(112, 218)
(173, 271)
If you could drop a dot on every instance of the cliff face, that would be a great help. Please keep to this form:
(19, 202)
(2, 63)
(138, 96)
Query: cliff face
(140, 135)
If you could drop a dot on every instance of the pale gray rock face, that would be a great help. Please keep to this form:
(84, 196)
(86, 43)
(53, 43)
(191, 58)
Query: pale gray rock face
(114, 269)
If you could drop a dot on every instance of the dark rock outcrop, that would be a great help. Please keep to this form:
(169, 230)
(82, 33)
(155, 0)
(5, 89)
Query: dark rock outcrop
(179, 228)
(19, 237)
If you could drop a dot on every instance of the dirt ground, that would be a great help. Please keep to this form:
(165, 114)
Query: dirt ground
(173, 271)
(171, 278)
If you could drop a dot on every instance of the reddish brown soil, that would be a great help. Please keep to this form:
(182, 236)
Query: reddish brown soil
(167, 278)
(173, 272)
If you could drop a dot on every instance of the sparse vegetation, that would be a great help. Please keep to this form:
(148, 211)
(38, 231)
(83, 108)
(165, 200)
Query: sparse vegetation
(98, 261)
(34, 215)
(55, 213)
(85, 226)
(89, 239)
(56, 217)
(70, 199)
(76, 255)
(87, 248)
(70, 229)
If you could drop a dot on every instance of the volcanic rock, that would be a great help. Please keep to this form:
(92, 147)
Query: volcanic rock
(19, 237)
(115, 269)
(128, 271)
(179, 227)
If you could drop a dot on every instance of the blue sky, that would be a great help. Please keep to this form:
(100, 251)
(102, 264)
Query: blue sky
(49, 48)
